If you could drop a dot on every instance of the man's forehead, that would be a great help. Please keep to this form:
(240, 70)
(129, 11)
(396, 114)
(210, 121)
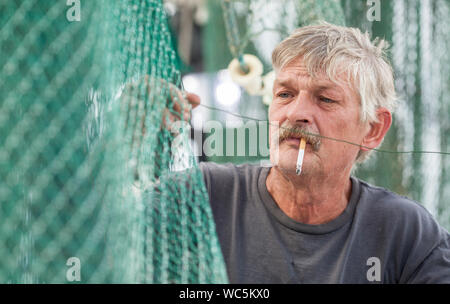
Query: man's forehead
(290, 74)
(317, 82)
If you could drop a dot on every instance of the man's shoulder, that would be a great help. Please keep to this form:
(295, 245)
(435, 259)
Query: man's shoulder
(389, 201)
(421, 245)
(229, 171)
(230, 178)
(398, 212)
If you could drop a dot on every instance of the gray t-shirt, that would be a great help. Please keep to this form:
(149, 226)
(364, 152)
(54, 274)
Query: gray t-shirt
(380, 237)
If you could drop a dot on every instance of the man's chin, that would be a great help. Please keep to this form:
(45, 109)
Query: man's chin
(286, 159)
(290, 167)
(287, 170)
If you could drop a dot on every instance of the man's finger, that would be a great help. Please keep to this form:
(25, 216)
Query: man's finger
(193, 99)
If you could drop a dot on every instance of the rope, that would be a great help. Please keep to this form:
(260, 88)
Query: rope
(327, 137)
(233, 34)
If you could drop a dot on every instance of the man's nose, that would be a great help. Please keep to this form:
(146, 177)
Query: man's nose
(300, 109)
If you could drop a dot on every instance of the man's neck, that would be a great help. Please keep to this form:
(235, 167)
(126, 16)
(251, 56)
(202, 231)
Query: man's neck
(309, 199)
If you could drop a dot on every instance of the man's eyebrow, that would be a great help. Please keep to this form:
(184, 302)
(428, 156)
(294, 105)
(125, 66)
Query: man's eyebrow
(322, 86)
(328, 86)
(284, 82)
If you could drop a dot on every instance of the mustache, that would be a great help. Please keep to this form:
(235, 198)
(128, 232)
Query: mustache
(287, 131)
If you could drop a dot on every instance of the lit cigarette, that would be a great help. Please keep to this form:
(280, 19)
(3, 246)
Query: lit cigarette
(301, 153)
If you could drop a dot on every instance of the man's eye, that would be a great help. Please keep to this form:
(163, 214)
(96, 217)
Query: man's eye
(284, 95)
(326, 100)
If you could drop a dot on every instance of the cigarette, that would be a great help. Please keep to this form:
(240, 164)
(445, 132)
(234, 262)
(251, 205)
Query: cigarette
(301, 154)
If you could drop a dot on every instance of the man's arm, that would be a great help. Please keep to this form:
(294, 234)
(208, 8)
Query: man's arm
(435, 268)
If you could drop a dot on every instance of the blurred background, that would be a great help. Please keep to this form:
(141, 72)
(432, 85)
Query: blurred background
(209, 34)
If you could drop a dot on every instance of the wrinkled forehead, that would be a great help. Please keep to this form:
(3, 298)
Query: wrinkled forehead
(333, 77)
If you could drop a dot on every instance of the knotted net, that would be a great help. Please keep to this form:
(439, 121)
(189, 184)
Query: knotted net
(91, 166)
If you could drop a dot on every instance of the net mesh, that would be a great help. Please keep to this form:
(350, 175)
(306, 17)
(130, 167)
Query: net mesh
(91, 164)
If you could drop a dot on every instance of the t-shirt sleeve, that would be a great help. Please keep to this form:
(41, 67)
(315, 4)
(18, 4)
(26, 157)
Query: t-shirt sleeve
(435, 268)
(419, 246)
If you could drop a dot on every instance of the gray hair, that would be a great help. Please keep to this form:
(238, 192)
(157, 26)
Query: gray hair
(332, 49)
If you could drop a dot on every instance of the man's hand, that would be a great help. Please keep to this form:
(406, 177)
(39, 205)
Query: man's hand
(182, 105)
(137, 98)
(138, 103)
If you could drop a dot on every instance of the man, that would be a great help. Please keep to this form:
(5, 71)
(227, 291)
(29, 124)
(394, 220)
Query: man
(324, 226)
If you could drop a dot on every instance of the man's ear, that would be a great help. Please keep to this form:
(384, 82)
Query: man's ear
(377, 130)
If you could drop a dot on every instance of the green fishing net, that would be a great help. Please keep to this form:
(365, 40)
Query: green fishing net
(92, 166)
